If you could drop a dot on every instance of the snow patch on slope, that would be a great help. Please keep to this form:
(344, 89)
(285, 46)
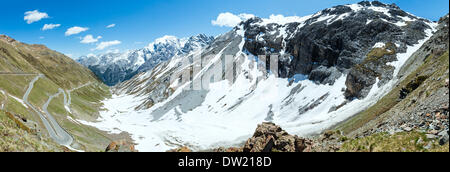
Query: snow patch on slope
(19, 100)
(282, 20)
(379, 45)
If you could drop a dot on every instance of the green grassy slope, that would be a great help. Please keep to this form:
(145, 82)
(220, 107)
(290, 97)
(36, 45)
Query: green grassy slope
(86, 101)
(399, 142)
(60, 72)
(88, 138)
(13, 138)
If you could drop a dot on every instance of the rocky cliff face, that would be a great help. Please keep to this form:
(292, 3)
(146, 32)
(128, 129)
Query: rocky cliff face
(419, 102)
(339, 40)
(113, 68)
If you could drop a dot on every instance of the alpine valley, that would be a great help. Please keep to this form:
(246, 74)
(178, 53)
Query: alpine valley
(358, 77)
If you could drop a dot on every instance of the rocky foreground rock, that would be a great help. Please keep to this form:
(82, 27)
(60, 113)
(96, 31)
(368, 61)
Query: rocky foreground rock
(120, 146)
(269, 137)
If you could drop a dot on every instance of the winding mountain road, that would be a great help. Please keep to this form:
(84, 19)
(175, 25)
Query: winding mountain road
(2, 104)
(68, 101)
(56, 132)
(63, 138)
(17, 73)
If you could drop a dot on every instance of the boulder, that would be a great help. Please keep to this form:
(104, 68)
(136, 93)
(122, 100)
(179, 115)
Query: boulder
(181, 149)
(269, 137)
(443, 137)
(120, 146)
(231, 149)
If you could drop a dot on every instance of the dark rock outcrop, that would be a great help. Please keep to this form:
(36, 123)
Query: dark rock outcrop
(362, 76)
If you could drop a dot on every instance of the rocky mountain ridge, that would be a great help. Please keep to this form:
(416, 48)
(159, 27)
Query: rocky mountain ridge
(115, 67)
(309, 45)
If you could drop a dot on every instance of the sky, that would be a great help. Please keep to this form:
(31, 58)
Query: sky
(83, 27)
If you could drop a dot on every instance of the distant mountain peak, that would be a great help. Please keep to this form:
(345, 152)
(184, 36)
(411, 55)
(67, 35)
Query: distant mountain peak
(167, 39)
(115, 67)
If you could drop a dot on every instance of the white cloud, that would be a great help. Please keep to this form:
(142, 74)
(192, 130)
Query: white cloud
(34, 16)
(113, 51)
(50, 26)
(41, 37)
(107, 44)
(228, 19)
(111, 26)
(75, 30)
(90, 39)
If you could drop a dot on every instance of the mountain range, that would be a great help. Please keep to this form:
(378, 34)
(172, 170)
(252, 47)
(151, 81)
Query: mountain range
(358, 77)
(115, 67)
(332, 65)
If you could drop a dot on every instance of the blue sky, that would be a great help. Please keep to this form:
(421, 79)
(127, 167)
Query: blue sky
(139, 22)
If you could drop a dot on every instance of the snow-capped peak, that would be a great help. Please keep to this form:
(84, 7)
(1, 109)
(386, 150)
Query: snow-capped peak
(387, 12)
(114, 67)
(91, 55)
(282, 20)
(167, 39)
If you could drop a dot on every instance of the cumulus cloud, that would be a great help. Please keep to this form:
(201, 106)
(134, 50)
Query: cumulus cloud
(107, 44)
(90, 39)
(34, 16)
(113, 51)
(50, 26)
(111, 26)
(75, 30)
(228, 19)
